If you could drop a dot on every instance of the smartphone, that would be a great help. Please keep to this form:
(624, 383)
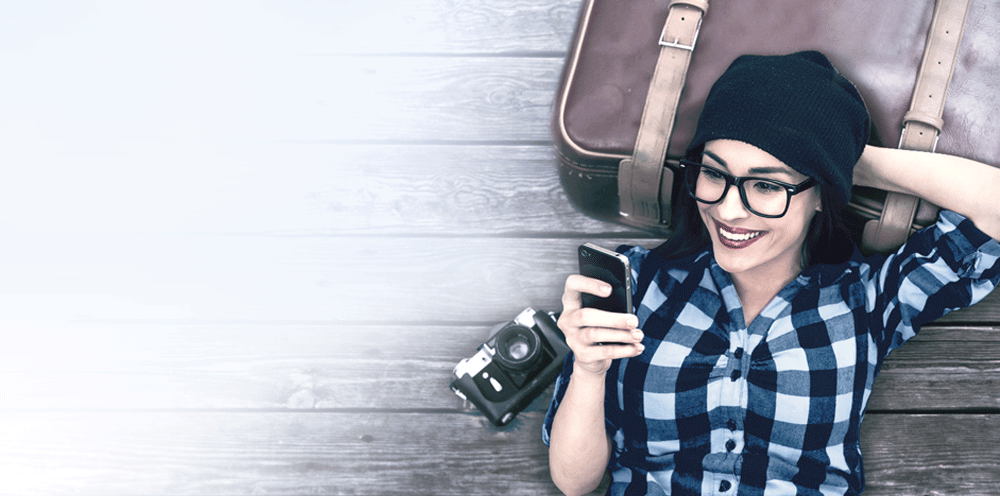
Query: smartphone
(612, 268)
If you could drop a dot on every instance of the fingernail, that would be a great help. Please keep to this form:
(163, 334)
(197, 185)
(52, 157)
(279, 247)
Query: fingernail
(606, 289)
(632, 322)
(640, 348)
(637, 335)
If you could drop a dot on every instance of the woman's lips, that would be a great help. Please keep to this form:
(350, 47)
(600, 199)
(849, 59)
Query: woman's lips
(734, 237)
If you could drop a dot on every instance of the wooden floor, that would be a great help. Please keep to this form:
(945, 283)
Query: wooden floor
(246, 242)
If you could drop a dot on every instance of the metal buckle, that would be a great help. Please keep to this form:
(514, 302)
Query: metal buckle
(675, 44)
(902, 137)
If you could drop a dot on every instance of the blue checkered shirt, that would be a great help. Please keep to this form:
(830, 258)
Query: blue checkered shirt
(713, 406)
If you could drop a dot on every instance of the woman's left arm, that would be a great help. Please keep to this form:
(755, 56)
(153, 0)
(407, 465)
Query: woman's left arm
(953, 183)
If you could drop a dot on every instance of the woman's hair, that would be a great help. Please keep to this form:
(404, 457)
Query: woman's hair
(828, 240)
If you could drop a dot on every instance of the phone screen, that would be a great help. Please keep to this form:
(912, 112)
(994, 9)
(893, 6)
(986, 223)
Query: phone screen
(612, 268)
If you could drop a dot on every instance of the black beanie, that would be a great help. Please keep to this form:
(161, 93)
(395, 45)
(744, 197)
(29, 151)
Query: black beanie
(795, 107)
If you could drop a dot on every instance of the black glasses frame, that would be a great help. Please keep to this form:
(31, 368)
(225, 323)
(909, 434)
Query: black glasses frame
(693, 169)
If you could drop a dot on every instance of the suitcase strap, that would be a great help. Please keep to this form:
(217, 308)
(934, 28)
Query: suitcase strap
(922, 125)
(645, 184)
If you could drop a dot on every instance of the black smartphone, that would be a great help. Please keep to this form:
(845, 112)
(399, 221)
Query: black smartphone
(612, 268)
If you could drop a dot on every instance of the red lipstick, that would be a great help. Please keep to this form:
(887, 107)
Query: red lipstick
(736, 238)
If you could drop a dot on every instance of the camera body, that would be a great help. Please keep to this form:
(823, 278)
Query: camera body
(519, 360)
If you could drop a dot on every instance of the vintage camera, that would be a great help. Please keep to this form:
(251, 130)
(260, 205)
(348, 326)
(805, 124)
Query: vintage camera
(519, 360)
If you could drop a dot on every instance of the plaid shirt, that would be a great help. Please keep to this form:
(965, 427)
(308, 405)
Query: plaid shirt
(713, 406)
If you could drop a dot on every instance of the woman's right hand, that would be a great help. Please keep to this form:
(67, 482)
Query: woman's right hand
(595, 336)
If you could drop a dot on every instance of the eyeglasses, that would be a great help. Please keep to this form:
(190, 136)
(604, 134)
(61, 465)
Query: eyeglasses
(764, 197)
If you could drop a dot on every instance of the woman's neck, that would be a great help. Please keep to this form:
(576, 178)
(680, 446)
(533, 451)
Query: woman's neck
(757, 290)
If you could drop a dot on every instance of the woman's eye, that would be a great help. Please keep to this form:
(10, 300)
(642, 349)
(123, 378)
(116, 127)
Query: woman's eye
(767, 188)
(712, 174)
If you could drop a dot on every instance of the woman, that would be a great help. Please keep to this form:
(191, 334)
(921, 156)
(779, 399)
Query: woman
(759, 329)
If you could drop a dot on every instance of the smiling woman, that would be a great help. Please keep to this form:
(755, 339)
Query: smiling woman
(762, 329)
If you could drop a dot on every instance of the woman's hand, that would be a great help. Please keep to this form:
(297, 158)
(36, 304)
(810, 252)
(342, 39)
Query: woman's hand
(595, 336)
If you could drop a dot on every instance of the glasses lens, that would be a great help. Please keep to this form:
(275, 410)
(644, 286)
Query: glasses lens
(707, 184)
(766, 197)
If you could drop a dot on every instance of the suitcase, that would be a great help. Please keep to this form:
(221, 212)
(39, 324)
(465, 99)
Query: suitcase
(880, 46)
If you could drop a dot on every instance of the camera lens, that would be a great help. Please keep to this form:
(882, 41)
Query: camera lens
(517, 347)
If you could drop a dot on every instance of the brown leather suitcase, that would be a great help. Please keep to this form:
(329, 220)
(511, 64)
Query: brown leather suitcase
(880, 46)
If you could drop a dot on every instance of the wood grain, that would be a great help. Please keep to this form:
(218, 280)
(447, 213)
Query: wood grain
(224, 27)
(289, 278)
(276, 189)
(327, 367)
(328, 98)
(458, 190)
(931, 454)
(113, 453)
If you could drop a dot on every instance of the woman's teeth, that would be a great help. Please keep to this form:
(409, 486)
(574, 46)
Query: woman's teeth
(738, 237)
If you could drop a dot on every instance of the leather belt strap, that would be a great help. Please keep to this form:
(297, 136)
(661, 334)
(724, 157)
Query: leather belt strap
(644, 183)
(923, 123)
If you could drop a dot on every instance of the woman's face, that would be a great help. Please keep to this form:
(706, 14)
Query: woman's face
(747, 245)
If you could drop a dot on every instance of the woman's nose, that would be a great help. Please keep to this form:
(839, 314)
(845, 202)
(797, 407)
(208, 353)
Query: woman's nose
(732, 207)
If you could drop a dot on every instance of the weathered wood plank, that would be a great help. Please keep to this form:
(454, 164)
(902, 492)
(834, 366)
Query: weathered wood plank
(986, 311)
(266, 278)
(142, 366)
(231, 453)
(931, 454)
(480, 26)
(283, 279)
(420, 98)
(249, 99)
(254, 367)
(943, 368)
(111, 453)
(297, 26)
(456, 190)
(296, 189)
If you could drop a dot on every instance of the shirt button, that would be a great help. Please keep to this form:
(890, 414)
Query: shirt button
(731, 424)
(730, 445)
(735, 376)
(738, 353)
(724, 486)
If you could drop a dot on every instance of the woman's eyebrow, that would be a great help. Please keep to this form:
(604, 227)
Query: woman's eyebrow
(716, 158)
(753, 170)
(770, 170)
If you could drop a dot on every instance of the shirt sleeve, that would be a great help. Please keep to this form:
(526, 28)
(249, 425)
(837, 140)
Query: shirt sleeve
(945, 267)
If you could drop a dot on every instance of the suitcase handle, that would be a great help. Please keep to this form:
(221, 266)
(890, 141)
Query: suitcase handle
(922, 125)
(644, 182)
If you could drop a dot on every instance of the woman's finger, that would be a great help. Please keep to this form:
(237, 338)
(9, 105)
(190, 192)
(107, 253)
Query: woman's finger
(577, 284)
(603, 335)
(600, 354)
(592, 317)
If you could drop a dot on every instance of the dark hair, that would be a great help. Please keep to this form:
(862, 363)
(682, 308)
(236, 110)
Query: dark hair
(828, 240)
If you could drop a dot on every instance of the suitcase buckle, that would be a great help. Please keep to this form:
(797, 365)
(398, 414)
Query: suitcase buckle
(675, 44)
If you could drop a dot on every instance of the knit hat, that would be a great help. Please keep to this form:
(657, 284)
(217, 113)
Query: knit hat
(796, 107)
